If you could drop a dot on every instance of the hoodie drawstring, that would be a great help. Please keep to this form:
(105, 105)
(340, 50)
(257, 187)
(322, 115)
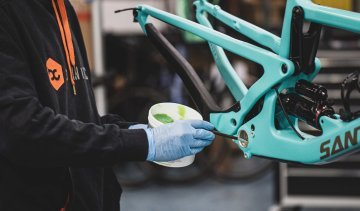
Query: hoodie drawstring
(66, 37)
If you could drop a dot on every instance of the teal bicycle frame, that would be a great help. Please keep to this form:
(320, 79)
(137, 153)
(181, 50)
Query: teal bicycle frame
(259, 136)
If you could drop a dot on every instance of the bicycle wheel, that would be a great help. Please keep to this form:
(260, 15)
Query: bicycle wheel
(188, 174)
(134, 174)
(201, 167)
(213, 154)
(234, 167)
(134, 104)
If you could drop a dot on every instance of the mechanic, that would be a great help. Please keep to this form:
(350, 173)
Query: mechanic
(56, 152)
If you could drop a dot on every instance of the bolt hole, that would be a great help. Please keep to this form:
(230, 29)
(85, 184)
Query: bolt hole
(252, 127)
(233, 122)
(322, 121)
(284, 68)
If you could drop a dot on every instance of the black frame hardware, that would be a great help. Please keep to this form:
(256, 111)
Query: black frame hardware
(350, 83)
(303, 45)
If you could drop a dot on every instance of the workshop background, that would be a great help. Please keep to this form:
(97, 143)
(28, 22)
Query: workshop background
(130, 76)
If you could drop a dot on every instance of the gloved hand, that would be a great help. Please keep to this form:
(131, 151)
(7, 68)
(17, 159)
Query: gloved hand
(138, 126)
(179, 139)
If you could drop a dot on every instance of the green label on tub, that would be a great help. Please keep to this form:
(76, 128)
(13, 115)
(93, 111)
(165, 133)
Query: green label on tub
(182, 112)
(164, 118)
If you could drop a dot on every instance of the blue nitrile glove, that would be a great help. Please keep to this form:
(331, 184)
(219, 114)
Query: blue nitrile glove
(179, 139)
(138, 126)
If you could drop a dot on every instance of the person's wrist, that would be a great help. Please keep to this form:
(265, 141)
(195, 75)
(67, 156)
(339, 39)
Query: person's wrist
(151, 144)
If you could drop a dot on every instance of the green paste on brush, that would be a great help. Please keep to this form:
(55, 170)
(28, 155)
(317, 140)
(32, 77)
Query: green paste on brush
(164, 118)
(181, 111)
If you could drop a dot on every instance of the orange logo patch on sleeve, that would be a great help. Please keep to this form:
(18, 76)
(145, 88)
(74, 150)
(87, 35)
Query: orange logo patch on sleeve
(55, 73)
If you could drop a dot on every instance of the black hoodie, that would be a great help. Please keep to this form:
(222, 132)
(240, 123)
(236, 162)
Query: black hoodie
(54, 147)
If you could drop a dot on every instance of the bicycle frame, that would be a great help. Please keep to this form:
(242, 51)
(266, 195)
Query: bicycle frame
(282, 69)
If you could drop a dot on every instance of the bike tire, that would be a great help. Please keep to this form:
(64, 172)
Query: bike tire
(133, 104)
(234, 167)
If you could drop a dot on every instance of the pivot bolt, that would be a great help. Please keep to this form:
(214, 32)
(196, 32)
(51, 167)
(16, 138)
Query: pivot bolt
(243, 138)
(247, 155)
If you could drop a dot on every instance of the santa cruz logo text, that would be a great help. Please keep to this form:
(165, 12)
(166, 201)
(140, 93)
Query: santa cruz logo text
(339, 144)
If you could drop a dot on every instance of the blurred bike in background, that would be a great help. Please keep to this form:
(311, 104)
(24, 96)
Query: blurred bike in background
(137, 78)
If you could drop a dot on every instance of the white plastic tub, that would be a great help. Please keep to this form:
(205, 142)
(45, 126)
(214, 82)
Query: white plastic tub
(176, 112)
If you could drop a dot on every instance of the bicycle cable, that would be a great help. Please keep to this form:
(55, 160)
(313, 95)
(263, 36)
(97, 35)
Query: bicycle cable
(126, 9)
(287, 116)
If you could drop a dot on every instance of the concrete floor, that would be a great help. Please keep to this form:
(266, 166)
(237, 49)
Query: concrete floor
(208, 195)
